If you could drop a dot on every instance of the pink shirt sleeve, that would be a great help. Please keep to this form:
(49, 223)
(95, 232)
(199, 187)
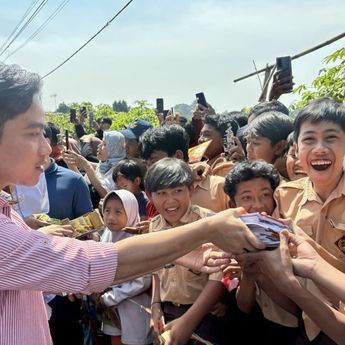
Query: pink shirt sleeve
(30, 260)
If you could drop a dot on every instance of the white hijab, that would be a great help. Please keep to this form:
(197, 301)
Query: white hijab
(130, 205)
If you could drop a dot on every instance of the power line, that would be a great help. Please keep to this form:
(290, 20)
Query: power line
(87, 42)
(40, 29)
(33, 4)
(296, 56)
(38, 9)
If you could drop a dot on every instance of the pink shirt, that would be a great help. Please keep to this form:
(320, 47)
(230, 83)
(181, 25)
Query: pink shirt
(31, 262)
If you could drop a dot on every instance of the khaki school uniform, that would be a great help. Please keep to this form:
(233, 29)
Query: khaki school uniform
(209, 193)
(179, 284)
(324, 222)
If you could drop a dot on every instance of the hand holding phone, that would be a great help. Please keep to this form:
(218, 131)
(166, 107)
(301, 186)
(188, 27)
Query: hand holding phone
(67, 139)
(159, 105)
(201, 99)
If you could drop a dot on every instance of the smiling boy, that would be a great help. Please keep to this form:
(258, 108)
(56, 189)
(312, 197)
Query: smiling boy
(316, 203)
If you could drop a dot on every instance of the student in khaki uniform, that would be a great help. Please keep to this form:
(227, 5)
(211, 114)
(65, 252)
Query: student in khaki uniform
(215, 129)
(316, 203)
(172, 141)
(180, 294)
(272, 316)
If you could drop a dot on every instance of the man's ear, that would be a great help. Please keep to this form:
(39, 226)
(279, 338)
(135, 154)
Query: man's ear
(179, 154)
(232, 203)
(137, 181)
(279, 148)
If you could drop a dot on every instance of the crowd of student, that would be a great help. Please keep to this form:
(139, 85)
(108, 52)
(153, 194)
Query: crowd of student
(141, 181)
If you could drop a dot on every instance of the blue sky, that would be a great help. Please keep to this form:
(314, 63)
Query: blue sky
(171, 49)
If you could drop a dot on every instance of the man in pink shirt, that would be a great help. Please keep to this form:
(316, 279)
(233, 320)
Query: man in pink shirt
(31, 262)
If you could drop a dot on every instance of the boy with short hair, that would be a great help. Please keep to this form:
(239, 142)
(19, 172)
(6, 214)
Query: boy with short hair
(178, 292)
(316, 203)
(251, 185)
(172, 141)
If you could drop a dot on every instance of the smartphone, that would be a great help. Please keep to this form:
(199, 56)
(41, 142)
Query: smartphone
(72, 115)
(284, 67)
(67, 139)
(172, 111)
(159, 105)
(201, 99)
(91, 119)
(165, 113)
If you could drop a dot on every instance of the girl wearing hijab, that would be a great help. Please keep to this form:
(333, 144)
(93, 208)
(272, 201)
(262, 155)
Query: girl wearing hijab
(120, 209)
(110, 152)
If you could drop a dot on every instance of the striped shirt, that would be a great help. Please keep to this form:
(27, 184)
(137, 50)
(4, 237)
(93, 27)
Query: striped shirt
(31, 262)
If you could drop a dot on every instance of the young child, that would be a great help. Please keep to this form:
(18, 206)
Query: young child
(251, 186)
(180, 294)
(266, 138)
(120, 209)
(316, 203)
(129, 175)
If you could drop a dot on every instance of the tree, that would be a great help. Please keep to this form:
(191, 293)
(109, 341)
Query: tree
(329, 83)
(104, 110)
(121, 106)
(63, 108)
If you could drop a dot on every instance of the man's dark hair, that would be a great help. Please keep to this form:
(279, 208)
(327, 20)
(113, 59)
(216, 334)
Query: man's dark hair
(168, 173)
(221, 123)
(17, 88)
(240, 117)
(106, 120)
(130, 169)
(274, 126)
(55, 131)
(269, 106)
(164, 138)
(322, 109)
(246, 171)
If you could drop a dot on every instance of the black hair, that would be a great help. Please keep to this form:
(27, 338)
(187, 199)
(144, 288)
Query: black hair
(130, 169)
(322, 109)
(246, 171)
(221, 123)
(55, 131)
(269, 106)
(164, 138)
(17, 88)
(168, 173)
(106, 120)
(274, 126)
(240, 117)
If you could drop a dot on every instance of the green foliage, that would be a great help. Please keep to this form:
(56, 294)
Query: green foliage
(330, 81)
(141, 110)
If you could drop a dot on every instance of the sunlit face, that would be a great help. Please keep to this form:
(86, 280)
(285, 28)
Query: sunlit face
(260, 148)
(102, 153)
(255, 195)
(215, 148)
(114, 215)
(23, 148)
(131, 186)
(155, 156)
(293, 166)
(172, 203)
(321, 150)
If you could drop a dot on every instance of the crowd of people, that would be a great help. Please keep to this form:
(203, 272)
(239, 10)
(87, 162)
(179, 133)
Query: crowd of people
(173, 264)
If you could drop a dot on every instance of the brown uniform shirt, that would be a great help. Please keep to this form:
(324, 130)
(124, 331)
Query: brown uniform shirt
(179, 284)
(209, 193)
(324, 222)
